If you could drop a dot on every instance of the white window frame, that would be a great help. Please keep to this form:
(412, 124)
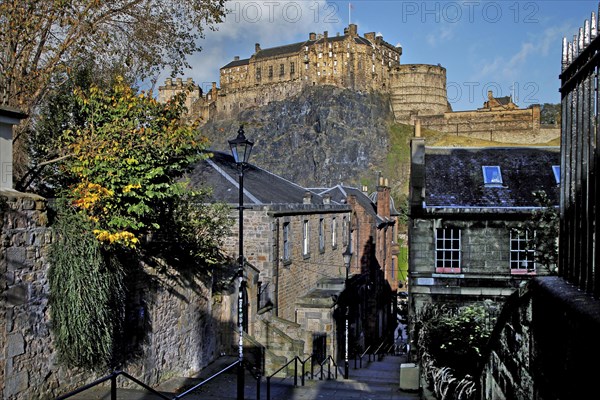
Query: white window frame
(333, 232)
(522, 259)
(556, 172)
(448, 243)
(490, 169)
(305, 238)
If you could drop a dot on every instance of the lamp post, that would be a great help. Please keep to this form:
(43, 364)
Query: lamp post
(347, 254)
(240, 150)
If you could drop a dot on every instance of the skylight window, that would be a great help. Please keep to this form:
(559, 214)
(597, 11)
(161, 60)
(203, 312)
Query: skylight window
(492, 175)
(556, 170)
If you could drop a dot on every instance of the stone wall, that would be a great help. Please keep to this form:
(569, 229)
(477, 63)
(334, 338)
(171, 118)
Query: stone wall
(175, 323)
(545, 345)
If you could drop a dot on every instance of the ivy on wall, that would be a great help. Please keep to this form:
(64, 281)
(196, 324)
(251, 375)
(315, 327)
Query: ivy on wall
(87, 294)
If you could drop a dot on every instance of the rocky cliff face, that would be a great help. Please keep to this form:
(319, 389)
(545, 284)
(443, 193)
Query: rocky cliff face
(321, 137)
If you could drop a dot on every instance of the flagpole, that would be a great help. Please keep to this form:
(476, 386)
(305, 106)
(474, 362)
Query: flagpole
(349, 13)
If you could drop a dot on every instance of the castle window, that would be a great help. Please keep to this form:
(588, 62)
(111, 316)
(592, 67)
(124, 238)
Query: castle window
(330, 54)
(320, 55)
(335, 63)
(281, 70)
(329, 45)
(258, 73)
(348, 55)
(270, 71)
(292, 69)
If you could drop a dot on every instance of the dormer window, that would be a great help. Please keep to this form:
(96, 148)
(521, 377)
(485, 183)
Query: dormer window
(492, 175)
(556, 170)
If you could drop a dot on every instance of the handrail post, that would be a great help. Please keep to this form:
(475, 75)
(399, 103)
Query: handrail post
(258, 379)
(268, 388)
(329, 369)
(113, 387)
(296, 371)
(303, 371)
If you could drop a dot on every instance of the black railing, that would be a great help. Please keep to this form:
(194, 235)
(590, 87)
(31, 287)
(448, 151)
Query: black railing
(360, 357)
(113, 384)
(329, 361)
(579, 258)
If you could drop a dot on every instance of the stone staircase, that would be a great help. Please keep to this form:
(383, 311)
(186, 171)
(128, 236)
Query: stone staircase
(282, 343)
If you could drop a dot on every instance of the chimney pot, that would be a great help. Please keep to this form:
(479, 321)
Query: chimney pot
(307, 198)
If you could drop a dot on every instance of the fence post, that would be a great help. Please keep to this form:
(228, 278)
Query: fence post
(258, 379)
(303, 371)
(296, 371)
(113, 387)
(268, 388)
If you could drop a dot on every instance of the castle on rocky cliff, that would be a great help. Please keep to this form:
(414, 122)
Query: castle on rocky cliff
(363, 63)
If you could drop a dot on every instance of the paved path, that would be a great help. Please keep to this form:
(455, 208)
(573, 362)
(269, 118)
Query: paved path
(377, 380)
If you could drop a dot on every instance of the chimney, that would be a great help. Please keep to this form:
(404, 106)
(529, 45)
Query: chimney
(169, 82)
(256, 47)
(370, 36)
(325, 34)
(189, 81)
(179, 81)
(312, 36)
(417, 128)
(383, 198)
(236, 58)
(307, 198)
(417, 175)
(352, 30)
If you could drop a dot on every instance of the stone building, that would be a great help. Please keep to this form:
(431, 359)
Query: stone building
(374, 267)
(374, 228)
(466, 207)
(293, 245)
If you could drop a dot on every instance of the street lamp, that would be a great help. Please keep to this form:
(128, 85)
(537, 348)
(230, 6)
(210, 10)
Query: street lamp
(347, 254)
(240, 150)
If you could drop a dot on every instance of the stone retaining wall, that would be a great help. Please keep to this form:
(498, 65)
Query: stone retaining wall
(182, 326)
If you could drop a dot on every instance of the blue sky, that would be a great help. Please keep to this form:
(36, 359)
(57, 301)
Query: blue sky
(510, 47)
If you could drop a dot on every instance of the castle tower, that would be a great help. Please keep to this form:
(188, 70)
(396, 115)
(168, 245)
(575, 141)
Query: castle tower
(418, 90)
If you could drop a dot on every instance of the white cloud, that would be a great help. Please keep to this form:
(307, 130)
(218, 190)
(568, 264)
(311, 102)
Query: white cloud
(270, 23)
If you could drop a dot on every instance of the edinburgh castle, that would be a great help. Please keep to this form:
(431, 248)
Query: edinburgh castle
(367, 63)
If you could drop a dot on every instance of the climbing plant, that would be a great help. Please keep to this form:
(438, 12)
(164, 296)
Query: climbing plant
(86, 293)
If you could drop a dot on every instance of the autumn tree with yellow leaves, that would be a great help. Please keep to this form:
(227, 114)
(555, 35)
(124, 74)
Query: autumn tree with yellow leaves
(124, 158)
(41, 40)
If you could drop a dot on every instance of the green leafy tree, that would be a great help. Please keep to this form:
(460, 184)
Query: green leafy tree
(455, 338)
(40, 40)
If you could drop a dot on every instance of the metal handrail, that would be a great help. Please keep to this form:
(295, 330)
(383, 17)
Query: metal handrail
(181, 395)
(295, 361)
(361, 357)
(312, 375)
(328, 367)
(113, 386)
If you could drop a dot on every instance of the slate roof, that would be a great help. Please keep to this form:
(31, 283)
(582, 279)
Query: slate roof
(281, 50)
(340, 193)
(504, 101)
(260, 186)
(237, 63)
(454, 177)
